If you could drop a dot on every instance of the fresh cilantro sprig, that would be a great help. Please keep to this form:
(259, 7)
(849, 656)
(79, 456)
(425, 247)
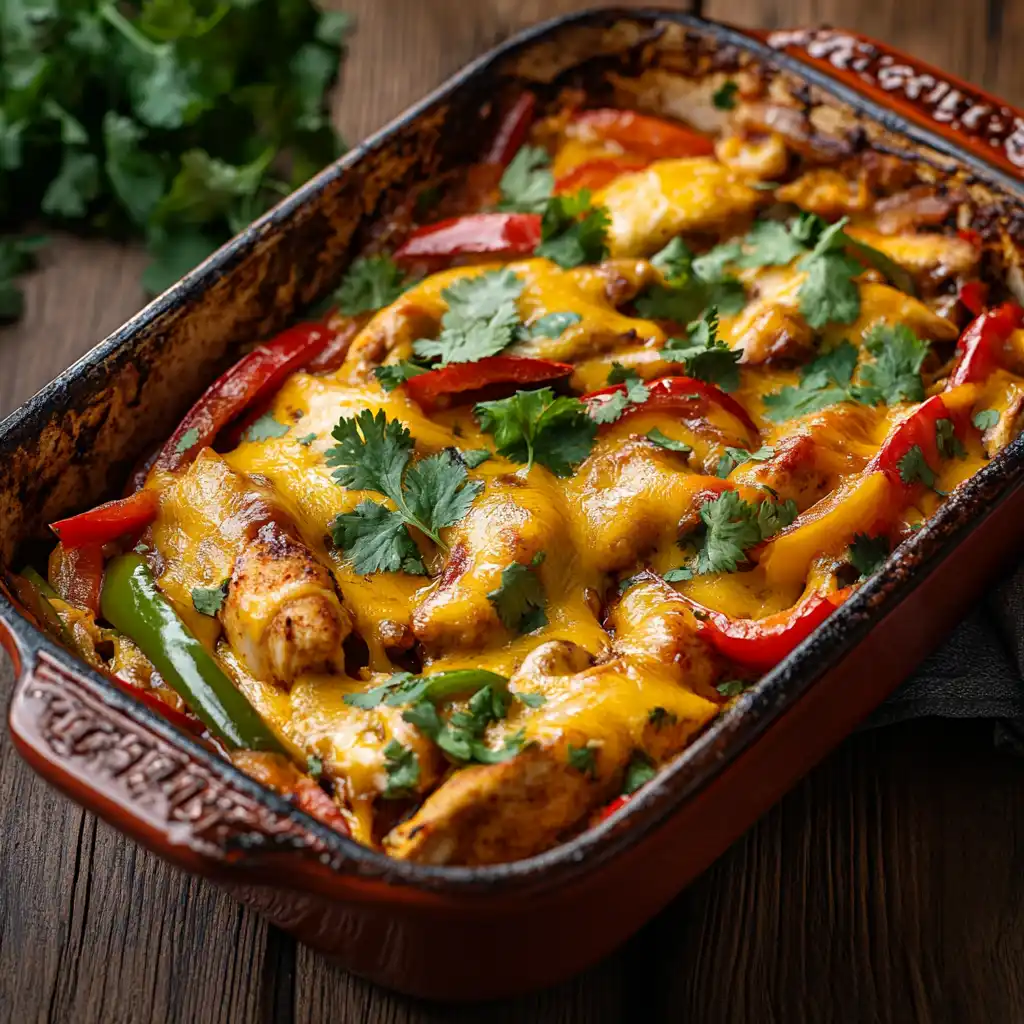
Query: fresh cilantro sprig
(867, 554)
(403, 688)
(662, 440)
(635, 392)
(373, 454)
(985, 419)
(210, 600)
(174, 122)
(572, 231)
(527, 182)
(895, 375)
(733, 457)
(519, 598)
(265, 428)
(402, 767)
(371, 283)
(704, 355)
(535, 426)
(724, 97)
(823, 382)
(394, 375)
(733, 526)
(692, 284)
(480, 321)
(639, 772)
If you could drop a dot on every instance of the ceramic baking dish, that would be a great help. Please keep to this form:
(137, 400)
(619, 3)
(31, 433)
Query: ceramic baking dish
(480, 932)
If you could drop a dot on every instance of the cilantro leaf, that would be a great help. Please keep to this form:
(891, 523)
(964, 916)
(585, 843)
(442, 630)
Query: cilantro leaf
(376, 539)
(711, 265)
(867, 554)
(914, 469)
(583, 760)
(733, 457)
(314, 766)
(733, 526)
(639, 772)
(371, 283)
(265, 428)
(393, 375)
(476, 456)
(724, 97)
(535, 426)
(896, 372)
(732, 687)
(675, 261)
(371, 454)
(76, 185)
(551, 325)
(519, 598)
(480, 321)
(611, 408)
(985, 419)
(209, 600)
(658, 717)
(769, 244)
(306, 440)
(531, 700)
(678, 575)
(704, 355)
(399, 688)
(662, 440)
(949, 445)
(572, 231)
(620, 374)
(679, 304)
(823, 382)
(437, 492)
(829, 294)
(692, 284)
(187, 441)
(403, 770)
(527, 182)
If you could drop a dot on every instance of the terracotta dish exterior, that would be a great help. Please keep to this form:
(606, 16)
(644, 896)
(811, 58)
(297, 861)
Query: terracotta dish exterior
(470, 933)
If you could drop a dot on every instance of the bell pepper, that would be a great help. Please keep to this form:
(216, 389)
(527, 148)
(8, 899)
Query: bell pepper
(161, 707)
(761, 644)
(981, 346)
(254, 378)
(131, 602)
(595, 174)
(108, 522)
(478, 234)
(76, 575)
(973, 296)
(610, 808)
(426, 388)
(638, 133)
(512, 130)
(36, 594)
(686, 395)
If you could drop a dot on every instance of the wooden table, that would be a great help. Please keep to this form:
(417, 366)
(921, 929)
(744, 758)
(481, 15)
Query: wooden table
(888, 886)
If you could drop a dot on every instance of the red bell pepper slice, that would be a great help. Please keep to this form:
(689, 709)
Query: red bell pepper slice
(108, 522)
(761, 644)
(595, 174)
(971, 236)
(161, 707)
(610, 808)
(980, 347)
(918, 429)
(478, 234)
(974, 296)
(426, 388)
(683, 394)
(77, 575)
(254, 378)
(638, 133)
(512, 131)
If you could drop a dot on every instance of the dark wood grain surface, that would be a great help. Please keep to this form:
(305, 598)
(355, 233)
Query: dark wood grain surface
(888, 886)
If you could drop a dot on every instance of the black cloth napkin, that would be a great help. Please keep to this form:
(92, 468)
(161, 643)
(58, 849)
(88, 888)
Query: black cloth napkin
(978, 673)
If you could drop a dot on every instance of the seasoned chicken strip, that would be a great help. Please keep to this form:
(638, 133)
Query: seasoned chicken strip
(579, 741)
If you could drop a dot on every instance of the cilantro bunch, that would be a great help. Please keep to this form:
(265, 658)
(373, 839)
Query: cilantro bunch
(177, 121)
(373, 454)
(733, 526)
(693, 284)
(704, 354)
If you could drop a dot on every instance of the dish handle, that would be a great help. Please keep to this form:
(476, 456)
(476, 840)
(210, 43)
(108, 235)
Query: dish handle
(963, 113)
(121, 763)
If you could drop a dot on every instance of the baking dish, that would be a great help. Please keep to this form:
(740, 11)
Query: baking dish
(402, 924)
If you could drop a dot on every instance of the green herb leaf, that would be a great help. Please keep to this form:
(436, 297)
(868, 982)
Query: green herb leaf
(896, 372)
(639, 772)
(376, 539)
(371, 283)
(609, 410)
(914, 469)
(733, 457)
(476, 456)
(527, 182)
(572, 231)
(480, 321)
(187, 441)
(724, 97)
(552, 325)
(659, 717)
(675, 261)
(17, 255)
(867, 554)
(704, 355)
(732, 687)
(531, 700)
(307, 440)
(662, 440)
(583, 760)
(985, 419)
(535, 426)
(209, 600)
(314, 766)
(733, 526)
(393, 375)
(403, 770)
(519, 599)
(399, 688)
(680, 575)
(948, 443)
(769, 244)
(265, 428)
(823, 382)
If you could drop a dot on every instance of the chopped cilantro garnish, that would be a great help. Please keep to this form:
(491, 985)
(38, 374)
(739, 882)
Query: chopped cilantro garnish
(306, 440)
(583, 760)
(531, 700)
(372, 454)
(655, 436)
(704, 355)
(403, 770)
(724, 97)
(985, 419)
(371, 283)
(895, 375)
(265, 428)
(639, 771)
(733, 457)
(187, 441)
(535, 426)
(948, 443)
(692, 285)
(732, 687)
(315, 766)
(867, 554)
(480, 321)
(393, 375)
(733, 526)
(573, 231)
(527, 182)
(679, 575)
(620, 374)
(658, 717)
(823, 382)
(769, 244)
(475, 457)
(635, 392)
(519, 598)
(400, 688)
(914, 469)
(552, 325)
(675, 261)
(209, 600)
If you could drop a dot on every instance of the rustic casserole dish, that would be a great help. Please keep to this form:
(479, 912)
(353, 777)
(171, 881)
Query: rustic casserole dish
(650, 411)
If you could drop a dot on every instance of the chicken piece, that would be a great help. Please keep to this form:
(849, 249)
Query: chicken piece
(763, 158)
(648, 208)
(916, 207)
(770, 333)
(502, 528)
(579, 741)
(828, 192)
(935, 257)
(282, 613)
(801, 134)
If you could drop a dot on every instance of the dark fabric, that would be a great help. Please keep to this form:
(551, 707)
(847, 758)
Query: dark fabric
(979, 673)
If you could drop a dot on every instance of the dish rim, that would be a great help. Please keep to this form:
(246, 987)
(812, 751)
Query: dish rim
(731, 733)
